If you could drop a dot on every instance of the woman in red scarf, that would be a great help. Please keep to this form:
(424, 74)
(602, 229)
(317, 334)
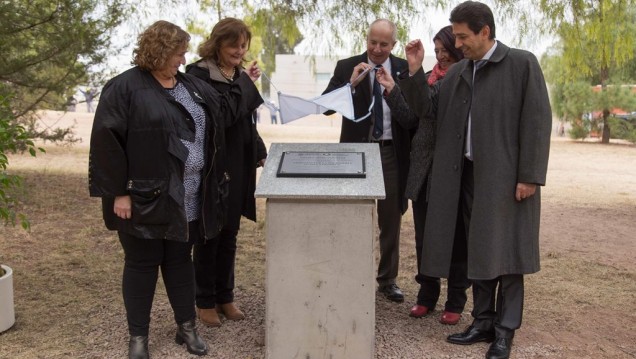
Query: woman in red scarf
(446, 54)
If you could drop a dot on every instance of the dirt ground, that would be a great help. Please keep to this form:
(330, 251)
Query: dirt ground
(67, 269)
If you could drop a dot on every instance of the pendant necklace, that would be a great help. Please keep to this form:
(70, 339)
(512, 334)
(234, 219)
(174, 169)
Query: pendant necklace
(228, 77)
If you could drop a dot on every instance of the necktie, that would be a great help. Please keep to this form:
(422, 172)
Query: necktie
(478, 64)
(469, 143)
(377, 107)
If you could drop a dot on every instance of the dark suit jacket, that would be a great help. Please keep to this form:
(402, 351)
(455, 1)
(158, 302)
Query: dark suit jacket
(360, 131)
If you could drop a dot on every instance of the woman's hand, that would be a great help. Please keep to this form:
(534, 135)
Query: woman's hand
(385, 79)
(414, 55)
(253, 71)
(122, 207)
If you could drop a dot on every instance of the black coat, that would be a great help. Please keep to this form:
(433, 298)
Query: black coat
(360, 131)
(136, 150)
(244, 145)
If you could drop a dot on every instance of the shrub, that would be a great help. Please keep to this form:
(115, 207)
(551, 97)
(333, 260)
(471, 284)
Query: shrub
(579, 130)
(11, 136)
(623, 128)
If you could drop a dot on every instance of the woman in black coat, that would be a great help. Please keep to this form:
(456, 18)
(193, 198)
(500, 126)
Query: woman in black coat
(223, 55)
(154, 145)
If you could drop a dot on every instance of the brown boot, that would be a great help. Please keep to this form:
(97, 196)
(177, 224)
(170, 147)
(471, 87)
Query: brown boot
(231, 311)
(209, 317)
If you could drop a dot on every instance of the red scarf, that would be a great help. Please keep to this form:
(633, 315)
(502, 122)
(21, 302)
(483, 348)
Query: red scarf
(436, 74)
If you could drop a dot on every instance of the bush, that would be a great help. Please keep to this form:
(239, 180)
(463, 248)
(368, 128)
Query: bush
(11, 136)
(623, 128)
(579, 130)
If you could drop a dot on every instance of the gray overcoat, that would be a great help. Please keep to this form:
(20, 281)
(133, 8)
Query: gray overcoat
(511, 122)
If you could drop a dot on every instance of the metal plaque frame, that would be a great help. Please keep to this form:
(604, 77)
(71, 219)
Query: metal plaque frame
(322, 164)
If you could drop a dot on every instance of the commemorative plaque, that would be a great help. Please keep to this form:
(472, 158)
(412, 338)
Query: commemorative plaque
(322, 164)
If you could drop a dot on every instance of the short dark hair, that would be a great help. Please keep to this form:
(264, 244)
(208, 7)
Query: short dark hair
(446, 37)
(476, 15)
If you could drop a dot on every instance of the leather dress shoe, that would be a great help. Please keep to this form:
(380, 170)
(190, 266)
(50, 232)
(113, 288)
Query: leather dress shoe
(231, 311)
(500, 349)
(450, 318)
(187, 333)
(419, 311)
(209, 317)
(471, 335)
(138, 347)
(392, 292)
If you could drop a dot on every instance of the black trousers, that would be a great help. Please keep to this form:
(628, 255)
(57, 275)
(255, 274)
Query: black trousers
(498, 302)
(143, 258)
(457, 278)
(214, 269)
(389, 219)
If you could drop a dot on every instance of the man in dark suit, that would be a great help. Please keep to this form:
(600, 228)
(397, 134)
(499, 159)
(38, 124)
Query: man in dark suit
(491, 153)
(381, 128)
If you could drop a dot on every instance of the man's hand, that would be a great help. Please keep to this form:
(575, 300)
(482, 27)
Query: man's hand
(525, 190)
(414, 55)
(122, 207)
(253, 71)
(385, 79)
(359, 69)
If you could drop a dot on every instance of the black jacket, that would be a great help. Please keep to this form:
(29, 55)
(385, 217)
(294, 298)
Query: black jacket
(360, 131)
(136, 150)
(245, 147)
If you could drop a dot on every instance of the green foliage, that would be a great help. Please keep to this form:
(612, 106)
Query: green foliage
(596, 46)
(624, 128)
(12, 135)
(579, 130)
(275, 32)
(49, 47)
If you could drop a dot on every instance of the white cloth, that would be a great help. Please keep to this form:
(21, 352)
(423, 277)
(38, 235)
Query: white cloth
(340, 100)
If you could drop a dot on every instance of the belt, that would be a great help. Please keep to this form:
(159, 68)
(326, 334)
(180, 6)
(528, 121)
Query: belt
(383, 143)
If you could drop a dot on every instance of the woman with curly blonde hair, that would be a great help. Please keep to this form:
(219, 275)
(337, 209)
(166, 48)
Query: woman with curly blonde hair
(156, 139)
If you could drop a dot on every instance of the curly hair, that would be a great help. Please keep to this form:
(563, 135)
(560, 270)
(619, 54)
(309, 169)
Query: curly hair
(226, 32)
(157, 43)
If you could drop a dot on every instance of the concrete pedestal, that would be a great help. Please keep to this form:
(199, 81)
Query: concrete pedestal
(320, 280)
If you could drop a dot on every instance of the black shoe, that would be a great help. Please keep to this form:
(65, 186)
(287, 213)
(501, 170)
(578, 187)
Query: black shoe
(187, 333)
(472, 335)
(392, 292)
(500, 349)
(138, 347)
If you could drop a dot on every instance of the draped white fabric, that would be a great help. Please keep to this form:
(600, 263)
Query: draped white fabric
(340, 100)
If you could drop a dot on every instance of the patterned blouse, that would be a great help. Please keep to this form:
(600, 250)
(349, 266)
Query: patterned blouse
(196, 152)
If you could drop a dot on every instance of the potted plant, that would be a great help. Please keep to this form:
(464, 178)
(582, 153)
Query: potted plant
(13, 137)
(7, 313)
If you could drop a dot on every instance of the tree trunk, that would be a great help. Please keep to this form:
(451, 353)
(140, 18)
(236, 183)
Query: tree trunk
(605, 138)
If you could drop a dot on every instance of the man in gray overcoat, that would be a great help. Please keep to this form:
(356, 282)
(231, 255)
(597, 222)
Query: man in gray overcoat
(493, 122)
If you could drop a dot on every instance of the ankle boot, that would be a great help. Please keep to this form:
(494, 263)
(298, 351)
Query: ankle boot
(187, 333)
(209, 317)
(231, 311)
(138, 347)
